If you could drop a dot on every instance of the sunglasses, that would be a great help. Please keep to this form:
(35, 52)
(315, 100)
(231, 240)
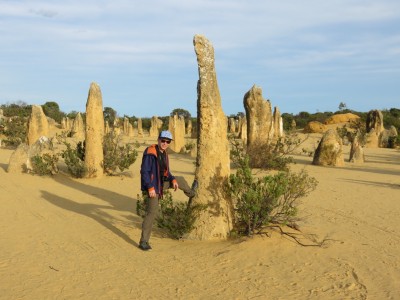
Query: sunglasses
(166, 141)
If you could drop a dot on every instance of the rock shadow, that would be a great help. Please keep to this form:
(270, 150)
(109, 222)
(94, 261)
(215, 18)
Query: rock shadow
(118, 201)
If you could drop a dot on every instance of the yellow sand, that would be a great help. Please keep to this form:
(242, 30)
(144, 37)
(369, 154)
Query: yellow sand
(64, 238)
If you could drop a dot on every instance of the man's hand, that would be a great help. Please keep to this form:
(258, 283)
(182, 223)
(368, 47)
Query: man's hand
(175, 184)
(152, 194)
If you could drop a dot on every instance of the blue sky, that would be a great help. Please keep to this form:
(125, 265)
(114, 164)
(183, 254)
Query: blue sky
(306, 55)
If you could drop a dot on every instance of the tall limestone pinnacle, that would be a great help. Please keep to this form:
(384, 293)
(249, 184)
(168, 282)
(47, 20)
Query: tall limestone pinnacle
(212, 164)
(94, 132)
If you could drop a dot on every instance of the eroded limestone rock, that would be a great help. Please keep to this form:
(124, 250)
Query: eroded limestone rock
(78, 128)
(176, 126)
(329, 151)
(356, 151)
(38, 125)
(155, 127)
(140, 128)
(259, 116)
(213, 163)
(94, 132)
(375, 121)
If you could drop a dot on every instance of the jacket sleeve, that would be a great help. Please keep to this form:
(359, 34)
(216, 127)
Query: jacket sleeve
(146, 172)
(171, 178)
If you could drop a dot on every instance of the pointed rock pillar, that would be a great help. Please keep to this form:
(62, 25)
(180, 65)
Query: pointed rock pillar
(213, 163)
(94, 132)
(259, 116)
(78, 128)
(176, 126)
(140, 127)
(37, 125)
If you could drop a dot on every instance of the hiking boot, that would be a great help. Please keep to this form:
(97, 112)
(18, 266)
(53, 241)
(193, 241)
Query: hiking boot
(195, 185)
(144, 246)
(192, 191)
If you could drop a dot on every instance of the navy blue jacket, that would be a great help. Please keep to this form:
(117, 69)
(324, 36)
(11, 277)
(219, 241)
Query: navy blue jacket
(150, 171)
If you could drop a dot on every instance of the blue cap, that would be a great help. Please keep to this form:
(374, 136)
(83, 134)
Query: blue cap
(165, 135)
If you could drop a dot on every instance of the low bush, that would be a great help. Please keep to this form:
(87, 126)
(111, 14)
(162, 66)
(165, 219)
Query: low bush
(272, 199)
(272, 155)
(393, 141)
(15, 131)
(175, 218)
(76, 165)
(116, 156)
(45, 164)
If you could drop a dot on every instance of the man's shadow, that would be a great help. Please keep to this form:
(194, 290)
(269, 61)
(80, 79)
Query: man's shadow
(94, 211)
(97, 212)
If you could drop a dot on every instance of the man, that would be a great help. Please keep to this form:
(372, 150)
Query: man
(155, 173)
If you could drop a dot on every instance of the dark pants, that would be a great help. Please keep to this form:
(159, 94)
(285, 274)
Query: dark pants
(152, 208)
(150, 216)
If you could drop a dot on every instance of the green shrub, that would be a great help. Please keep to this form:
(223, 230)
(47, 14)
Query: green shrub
(15, 132)
(190, 145)
(393, 141)
(343, 133)
(80, 150)
(115, 156)
(268, 155)
(175, 218)
(76, 166)
(266, 200)
(45, 164)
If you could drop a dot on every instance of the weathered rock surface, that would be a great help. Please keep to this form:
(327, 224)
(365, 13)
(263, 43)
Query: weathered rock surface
(189, 128)
(78, 128)
(20, 159)
(356, 151)
(259, 116)
(243, 129)
(341, 118)
(213, 163)
(140, 127)
(94, 132)
(387, 136)
(38, 125)
(176, 126)
(277, 124)
(329, 151)
(232, 125)
(314, 127)
(372, 139)
(375, 121)
(155, 127)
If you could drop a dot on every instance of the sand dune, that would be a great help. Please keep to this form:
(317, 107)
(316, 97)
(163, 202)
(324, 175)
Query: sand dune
(64, 238)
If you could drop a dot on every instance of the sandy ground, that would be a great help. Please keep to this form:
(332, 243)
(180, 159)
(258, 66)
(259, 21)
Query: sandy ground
(64, 238)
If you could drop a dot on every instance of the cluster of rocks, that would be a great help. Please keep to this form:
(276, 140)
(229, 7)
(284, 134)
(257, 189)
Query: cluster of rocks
(377, 135)
(329, 151)
(263, 126)
(318, 127)
(155, 127)
(76, 128)
(38, 142)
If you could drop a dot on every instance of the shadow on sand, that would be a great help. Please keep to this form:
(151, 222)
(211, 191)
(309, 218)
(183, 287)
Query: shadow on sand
(4, 167)
(374, 183)
(93, 211)
(97, 212)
